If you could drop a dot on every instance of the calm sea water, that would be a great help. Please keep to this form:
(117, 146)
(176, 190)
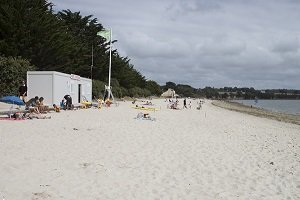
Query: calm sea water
(285, 106)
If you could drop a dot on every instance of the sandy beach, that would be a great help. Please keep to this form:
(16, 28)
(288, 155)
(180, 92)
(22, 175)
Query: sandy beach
(284, 117)
(102, 154)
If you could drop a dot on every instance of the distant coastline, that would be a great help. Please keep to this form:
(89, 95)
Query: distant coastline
(238, 107)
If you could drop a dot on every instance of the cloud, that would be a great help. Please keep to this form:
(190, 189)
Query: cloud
(286, 44)
(181, 8)
(143, 46)
(220, 47)
(205, 42)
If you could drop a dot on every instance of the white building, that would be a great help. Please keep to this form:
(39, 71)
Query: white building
(53, 86)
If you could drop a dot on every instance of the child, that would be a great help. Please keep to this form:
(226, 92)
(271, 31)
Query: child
(56, 108)
(62, 104)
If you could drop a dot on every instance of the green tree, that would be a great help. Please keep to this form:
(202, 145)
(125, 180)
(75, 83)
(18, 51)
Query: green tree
(170, 85)
(12, 72)
(30, 29)
(153, 87)
(185, 90)
(63, 42)
(98, 89)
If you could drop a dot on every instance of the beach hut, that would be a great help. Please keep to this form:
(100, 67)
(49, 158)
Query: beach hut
(53, 86)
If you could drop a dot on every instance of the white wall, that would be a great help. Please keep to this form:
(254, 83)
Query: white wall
(86, 88)
(61, 87)
(53, 86)
(41, 86)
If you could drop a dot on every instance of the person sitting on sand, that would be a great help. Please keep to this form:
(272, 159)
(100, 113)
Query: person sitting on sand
(149, 103)
(56, 108)
(62, 104)
(174, 106)
(40, 104)
(100, 103)
(32, 104)
(108, 102)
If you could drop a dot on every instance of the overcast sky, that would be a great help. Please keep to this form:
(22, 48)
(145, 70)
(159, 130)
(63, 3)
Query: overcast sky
(243, 43)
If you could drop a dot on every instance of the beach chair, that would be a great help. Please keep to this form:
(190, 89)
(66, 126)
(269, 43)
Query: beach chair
(85, 103)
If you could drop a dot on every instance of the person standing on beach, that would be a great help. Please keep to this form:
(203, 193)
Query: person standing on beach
(68, 99)
(23, 91)
(184, 103)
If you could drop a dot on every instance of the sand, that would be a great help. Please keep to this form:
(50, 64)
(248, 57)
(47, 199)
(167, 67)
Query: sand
(95, 154)
(295, 119)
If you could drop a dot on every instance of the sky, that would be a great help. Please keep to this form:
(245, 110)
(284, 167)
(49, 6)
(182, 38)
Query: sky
(216, 43)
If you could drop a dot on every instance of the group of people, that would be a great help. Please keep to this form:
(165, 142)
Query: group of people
(185, 104)
(36, 105)
(174, 104)
(66, 103)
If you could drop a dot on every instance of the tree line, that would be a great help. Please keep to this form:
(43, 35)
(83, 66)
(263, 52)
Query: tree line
(231, 92)
(34, 37)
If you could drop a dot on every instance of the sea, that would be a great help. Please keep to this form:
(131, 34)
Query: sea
(283, 106)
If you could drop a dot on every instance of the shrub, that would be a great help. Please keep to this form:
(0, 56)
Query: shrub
(12, 72)
(98, 89)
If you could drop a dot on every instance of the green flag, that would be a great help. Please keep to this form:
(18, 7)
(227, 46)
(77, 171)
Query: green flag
(105, 34)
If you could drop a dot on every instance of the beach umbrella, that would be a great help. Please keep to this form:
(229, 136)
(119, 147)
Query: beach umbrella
(12, 100)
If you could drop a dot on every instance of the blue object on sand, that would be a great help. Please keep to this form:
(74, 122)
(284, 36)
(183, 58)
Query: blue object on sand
(12, 100)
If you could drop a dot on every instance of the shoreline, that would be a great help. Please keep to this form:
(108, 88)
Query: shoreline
(259, 112)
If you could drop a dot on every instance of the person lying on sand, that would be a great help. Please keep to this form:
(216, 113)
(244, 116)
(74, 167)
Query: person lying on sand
(36, 116)
(32, 115)
(145, 116)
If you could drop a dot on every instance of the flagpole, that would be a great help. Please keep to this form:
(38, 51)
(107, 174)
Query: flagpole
(110, 95)
(107, 36)
(92, 62)
(109, 69)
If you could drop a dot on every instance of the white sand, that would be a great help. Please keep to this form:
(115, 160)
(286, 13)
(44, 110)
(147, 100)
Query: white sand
(185, 154)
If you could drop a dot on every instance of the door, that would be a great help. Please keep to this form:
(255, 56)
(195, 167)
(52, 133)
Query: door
(79, 93)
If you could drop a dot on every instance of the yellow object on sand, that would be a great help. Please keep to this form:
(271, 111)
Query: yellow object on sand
(85, 104)
(100, 103)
